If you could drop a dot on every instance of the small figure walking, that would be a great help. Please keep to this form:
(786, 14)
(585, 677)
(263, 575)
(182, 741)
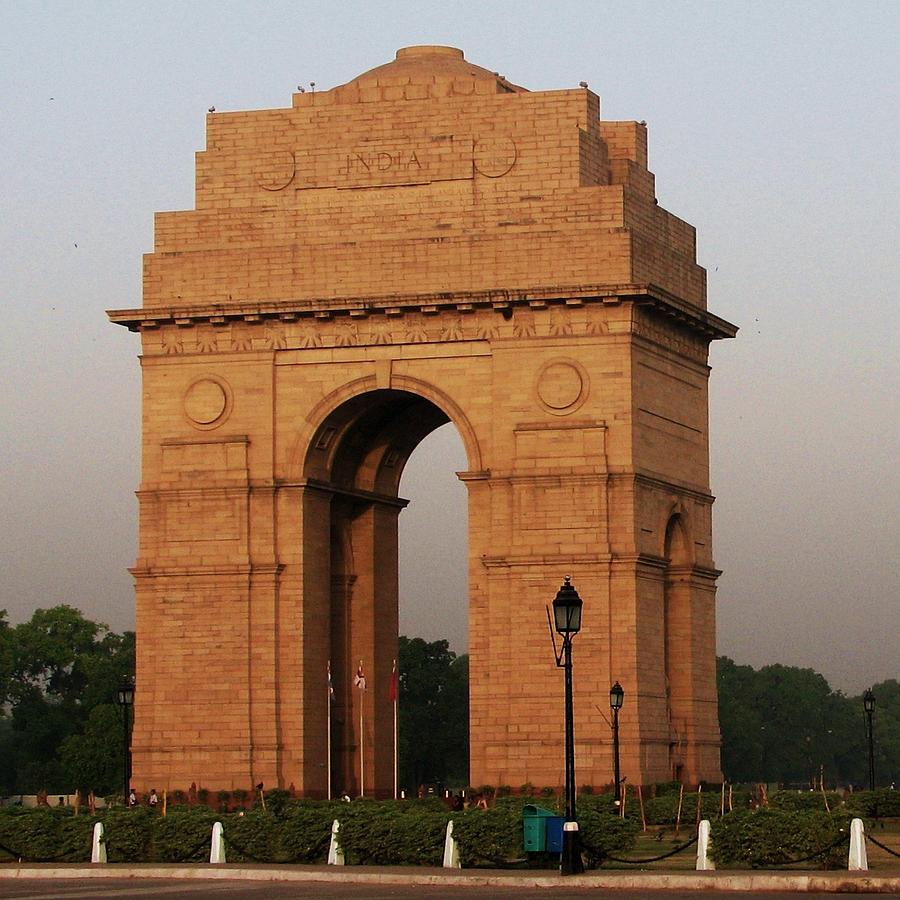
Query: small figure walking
(132, 798)
(154, 798)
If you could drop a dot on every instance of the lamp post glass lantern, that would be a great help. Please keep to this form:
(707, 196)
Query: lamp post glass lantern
(567, 621)
(125, 698)
(567, 610)
(869, 706)
(616, 698)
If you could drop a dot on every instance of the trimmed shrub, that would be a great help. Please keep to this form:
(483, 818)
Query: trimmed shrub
(493, 836)
(128, 834)
(603, 833)
(306, 831)
(884, 802)
(776, 837)
(804, 801)
(663, 808)
(277, 800)
(182, 835)
(44, 835)
(385, 834)
(253, 837)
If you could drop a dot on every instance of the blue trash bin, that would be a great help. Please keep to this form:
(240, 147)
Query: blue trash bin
(555, 833)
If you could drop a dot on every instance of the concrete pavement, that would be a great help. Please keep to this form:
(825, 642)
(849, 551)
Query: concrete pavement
(884, 882)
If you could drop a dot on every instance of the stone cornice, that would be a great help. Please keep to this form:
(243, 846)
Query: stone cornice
(314, 484)
(508, 561)
(668, 486)
(691, 317)
(200, 571)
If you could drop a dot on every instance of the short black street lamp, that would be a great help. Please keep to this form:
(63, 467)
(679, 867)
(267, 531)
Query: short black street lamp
(125, 699)
(567, 621)
(616, 696)
(869, 706)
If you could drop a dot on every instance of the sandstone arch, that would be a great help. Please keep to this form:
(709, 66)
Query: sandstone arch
(428, 242)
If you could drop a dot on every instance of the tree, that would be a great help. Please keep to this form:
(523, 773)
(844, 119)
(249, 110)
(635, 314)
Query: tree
(433, 713)
(886, 726)
(785, 724)
(92, 760)
(61, 667)
(49, 653)
(6, 657)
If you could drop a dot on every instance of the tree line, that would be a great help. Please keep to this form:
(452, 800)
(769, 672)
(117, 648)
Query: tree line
(61, 728)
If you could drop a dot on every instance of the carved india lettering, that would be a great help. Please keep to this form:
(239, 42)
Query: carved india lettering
(362, 162)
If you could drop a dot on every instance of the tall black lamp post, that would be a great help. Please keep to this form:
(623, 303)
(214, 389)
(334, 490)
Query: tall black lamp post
(125, 699)
(567, 621)
(616, 696)
(869, 706)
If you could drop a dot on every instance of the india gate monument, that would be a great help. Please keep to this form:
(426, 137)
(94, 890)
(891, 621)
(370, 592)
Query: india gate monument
(427, 243)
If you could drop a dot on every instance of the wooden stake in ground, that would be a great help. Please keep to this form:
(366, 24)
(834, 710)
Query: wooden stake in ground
(730, 797)
(678, 814)
(722, 804)
(641, 802)
(262, 796)
(165, 801)
(699, 805)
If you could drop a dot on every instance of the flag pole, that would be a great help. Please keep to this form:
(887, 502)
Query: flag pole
(362, 748)
(394, 698)
(328, 741)
(360, 682)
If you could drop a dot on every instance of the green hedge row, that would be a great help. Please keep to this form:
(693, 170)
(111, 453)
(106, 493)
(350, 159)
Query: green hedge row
(372, 833)
(770, 836)
(884, 802)
(805, 801)
(870, 804)
(412, 832)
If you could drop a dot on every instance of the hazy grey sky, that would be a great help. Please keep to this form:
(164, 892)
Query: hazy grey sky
(774, 129)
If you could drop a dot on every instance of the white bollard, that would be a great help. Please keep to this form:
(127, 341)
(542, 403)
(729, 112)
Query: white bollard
(98, 845)
(704, 863)
(217, 844)
(335, 851)
(857, 861)
(451, 849)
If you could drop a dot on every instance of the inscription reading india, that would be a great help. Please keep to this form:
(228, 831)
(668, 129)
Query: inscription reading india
(381, 161)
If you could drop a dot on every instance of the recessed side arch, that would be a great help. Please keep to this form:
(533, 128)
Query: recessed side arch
(678, 618)
(677, 544)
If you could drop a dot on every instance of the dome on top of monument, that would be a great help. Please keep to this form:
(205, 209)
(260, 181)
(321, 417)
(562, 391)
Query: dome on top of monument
(429, 64)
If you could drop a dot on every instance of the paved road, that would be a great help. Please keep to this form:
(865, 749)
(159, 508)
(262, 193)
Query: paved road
(192, 889)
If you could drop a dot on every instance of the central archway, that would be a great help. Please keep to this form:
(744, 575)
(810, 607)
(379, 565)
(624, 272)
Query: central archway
(355, 459)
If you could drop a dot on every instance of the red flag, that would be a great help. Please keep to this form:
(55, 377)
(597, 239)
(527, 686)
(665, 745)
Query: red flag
(360, 680)
(392, 691)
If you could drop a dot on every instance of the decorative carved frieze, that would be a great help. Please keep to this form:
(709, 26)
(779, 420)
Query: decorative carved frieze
(670, 336)
(434, 323)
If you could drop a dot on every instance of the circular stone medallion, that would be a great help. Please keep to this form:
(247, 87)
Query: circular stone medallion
(205, 403)
(275, 171)
(561, 386)
(495, 156)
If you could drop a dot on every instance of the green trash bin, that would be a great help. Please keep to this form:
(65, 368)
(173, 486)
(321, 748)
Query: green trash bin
(534, 826)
